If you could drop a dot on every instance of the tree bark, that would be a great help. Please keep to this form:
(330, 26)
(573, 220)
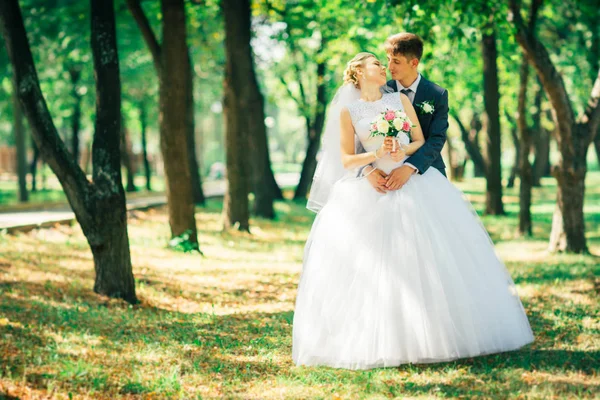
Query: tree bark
(236, 100)
(573, 139)
(174, 135)
(99, 206)
(75, 75)
(314, 131)
(197, 192)
(144, 128)
(491, 95)
(19, 131)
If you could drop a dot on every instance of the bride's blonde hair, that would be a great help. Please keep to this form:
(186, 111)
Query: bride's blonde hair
(350, 73)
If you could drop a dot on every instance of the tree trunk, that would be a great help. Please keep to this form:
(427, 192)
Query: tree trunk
(144, 127)
(108, 236)
(126, 157)
(75, 74)
(314, 131)
(541, 164)
(195, 176)
(236, 98)
(261, 169)
(568, 226)
(514, 171)
(174, 137)
(525, 147)
(33, 165)
(172, 65)
(491, 95)
(19, 130)
(99, 206)
(475, 129)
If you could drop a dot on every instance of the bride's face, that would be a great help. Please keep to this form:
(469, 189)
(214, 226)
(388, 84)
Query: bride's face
(374, 71)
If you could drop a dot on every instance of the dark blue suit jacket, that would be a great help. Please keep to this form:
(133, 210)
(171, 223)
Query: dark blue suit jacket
(434, 125)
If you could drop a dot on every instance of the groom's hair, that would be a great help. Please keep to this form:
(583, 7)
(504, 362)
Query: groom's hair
(404, 44)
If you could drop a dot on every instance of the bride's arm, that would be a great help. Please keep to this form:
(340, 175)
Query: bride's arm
(350, 159)
(416, 133)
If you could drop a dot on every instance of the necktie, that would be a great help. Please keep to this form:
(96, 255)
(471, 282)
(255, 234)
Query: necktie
(406, 91)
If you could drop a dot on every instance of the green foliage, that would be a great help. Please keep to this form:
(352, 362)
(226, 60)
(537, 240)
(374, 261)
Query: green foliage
(184, 244)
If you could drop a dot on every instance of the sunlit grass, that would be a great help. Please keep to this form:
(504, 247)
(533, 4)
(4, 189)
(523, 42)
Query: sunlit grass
(220, 326)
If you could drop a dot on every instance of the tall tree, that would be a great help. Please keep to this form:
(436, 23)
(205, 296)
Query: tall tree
(173, 67)
(99, 205)
(491, 97)
(574, 136)
(157, 51)
(237, 96)
(525, 136)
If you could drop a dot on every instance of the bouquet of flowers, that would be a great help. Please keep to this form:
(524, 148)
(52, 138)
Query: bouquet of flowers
(391, 123)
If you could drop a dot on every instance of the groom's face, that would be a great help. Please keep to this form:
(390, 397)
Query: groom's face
(401, 66)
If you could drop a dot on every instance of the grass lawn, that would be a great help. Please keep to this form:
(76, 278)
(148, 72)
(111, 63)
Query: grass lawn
(220, 326)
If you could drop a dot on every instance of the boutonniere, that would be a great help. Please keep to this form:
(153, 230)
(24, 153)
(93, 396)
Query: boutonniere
(426, 107)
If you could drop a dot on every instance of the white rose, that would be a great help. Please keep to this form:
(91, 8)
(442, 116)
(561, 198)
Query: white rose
(398, 124)
(428, 108)
(383, 126)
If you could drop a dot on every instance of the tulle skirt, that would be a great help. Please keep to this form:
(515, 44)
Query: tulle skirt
(409, 276)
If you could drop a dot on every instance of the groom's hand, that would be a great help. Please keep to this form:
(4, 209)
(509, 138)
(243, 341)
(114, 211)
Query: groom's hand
(377, 179)
(398, 177)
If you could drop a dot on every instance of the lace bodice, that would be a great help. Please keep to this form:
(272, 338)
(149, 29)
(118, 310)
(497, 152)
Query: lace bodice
(363, 113)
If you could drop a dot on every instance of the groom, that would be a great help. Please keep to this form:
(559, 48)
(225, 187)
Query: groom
(404, 51)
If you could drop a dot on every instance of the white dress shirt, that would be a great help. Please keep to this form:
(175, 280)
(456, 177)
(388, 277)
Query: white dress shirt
(413, 87)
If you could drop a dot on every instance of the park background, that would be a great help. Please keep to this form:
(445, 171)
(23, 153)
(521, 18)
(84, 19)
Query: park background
(213, 112)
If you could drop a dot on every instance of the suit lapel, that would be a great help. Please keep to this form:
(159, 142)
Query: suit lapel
(421, 94)
(420, 97)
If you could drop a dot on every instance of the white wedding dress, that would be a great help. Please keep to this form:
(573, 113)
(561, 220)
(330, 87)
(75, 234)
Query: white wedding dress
(410, 276)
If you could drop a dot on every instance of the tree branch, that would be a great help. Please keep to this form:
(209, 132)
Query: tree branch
(138, 14)
(538, 57)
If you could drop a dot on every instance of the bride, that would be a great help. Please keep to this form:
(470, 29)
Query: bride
(407, 276)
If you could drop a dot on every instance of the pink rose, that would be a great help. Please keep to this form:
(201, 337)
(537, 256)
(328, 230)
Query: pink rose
(390, 115)
(406, 126)
(374, 127)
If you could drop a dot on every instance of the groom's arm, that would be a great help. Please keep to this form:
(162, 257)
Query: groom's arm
(432, 148)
